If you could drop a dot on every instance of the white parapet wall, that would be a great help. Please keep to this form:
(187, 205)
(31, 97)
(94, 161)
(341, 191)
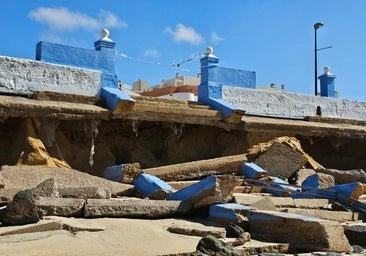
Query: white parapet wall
(23, 76)
(291, 105)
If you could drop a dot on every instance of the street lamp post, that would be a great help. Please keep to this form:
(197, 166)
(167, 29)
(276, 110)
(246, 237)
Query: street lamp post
(316, 26)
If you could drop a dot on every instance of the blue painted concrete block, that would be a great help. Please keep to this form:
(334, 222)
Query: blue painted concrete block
(278, 187)
(227, 211)
(310, 183)
(146, 184)
(253, 171)
(114, 173)
(193, 190)
(113, 96)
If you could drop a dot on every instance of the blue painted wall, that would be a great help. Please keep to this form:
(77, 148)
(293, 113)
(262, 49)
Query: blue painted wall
(102, 58)
(214, 77)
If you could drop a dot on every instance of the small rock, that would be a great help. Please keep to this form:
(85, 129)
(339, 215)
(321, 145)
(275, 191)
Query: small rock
(210, 245)
(242, 239)
(233, 230)
(159, 194)
(22, 210)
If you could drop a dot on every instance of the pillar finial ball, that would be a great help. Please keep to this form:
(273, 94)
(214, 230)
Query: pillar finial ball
(209, 50)
(326, 69)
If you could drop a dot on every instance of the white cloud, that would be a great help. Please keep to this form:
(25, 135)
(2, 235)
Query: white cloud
(184, 34)
(63, 19)
(215, 37)
(151, 53)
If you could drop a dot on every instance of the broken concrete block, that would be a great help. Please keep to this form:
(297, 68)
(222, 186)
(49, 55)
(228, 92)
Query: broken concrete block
(146, 184)
(228, 212)
(202, 231)
(140, 208)
(302, 232)
(281, 161)
(253, 171)
(211, 190)
(197, 169)
(85, 192)
(319, 180)
(265, 204)
(339, 192)
(125, 173)
(340, 216)
(241, 239)
(345, 176)
(22, 177)
(279, 187)
(22, 210)
(311, 203)
(67, 207)
(41, 226)
(301, 175)
(356, 233)
(47, 188)
(250, 199)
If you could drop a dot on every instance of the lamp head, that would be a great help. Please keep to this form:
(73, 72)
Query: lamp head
(318, 25)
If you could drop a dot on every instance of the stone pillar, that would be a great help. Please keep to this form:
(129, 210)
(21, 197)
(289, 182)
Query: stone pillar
(327, 83)
(209, 64)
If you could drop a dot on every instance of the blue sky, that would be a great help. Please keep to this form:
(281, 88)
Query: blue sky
(275, 38)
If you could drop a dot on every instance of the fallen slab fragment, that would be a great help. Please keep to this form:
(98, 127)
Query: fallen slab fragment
(125, 173)
(27, 177)
(197, 169)
(356, 233)
(212, 190)
(319, 180)
(229, 212)
(136, 208)
(312, 203)
(301, 175)
(181, 184)
(85, 192)
(146, 184)
(253, 171)
(194, 231)
(47, 188)
(68, 207)
(255, 151)
(345, 176)
(250, 199)
(210, 245)
(340, 216)
(281, 160)
(302, 232)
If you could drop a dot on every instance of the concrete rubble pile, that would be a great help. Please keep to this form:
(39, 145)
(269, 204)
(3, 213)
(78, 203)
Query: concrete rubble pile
(276, 194)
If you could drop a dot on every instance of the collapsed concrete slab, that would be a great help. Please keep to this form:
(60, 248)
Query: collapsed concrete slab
(67, 207)
(136, 208)
(319, 180)
(281, 161)
(22, 177)
(253, 171)
(125, 173)
(198, 231)
(228, 212)
(305, 233)
(146, 184)
(85, 192)
(197, 169)
(345, 176)
(294, 144)
(213, 189)
(340, 216)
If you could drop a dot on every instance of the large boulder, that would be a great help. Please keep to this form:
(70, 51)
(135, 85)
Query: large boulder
(22, 210)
